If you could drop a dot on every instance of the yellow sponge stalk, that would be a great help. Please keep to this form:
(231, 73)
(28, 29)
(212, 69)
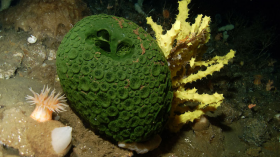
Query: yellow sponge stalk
(219, 63)
(165, 41)
(180, 29)
(184, 60)
(206, 100)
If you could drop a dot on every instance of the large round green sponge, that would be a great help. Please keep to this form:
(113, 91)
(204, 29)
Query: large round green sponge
(115, 77)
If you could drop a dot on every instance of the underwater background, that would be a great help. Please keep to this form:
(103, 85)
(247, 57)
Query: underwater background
(246, 124)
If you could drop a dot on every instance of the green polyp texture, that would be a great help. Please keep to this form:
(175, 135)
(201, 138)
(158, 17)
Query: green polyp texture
(115, 77)
(139, 131)
(128, 104)
(122, 93)
(112, 111)
(124, 115)
(121, 123)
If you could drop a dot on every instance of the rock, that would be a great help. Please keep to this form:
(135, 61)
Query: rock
(9, 62)
(44, 19)
(255, 131)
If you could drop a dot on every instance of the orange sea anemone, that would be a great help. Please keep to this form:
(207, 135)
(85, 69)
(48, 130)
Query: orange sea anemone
(257, 80)
(46, 104)
(251, 106)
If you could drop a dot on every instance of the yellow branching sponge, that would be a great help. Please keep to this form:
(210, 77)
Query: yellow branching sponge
(184, 59)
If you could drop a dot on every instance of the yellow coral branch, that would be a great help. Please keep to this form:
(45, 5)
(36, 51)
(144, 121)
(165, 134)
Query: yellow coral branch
(221, 60)
(180, 29)
(178, 121)
(203, 98)
(208, 103)
(165, 42)
(189, 49)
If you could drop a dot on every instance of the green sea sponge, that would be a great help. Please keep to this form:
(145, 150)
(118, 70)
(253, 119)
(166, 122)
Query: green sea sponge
(136, 65)
(103, 99)
(146, 44)
(156, 69)
(142, 59)
(153, 98)
(122, 93)
(156, 107)
(100, 119)
(143, 111)
(70, 73)
(149, 55)
(108, 132)
(133, 137)
(72, 84)
(139, 131)
(144, 92)
(161, 89)
(118, 137)
(152, 84)
(105, 119)
(87, 55)
(113, 125)
(125, 115)
(98, 74)
(121, 123)
(112, 94)
(148, 119)
(109, 76)
(132, 94)
(146, 70)
(79, 60)
(85, 70)
(72, 54)
(135, 71)
(102, 127)
(133, 122)
(97, 110)
(97, 55)
(91, 96)
(117, 101)
(135, 82)
(112, 111)
(94, 121)
(125, 133)
(104, 86)
(63, 68)
(136, 100)
(84, 84)
(128, 104)
(75, 68)
(121, 75)
(115, 76)
(135, 109)
(104, 60)
(92, 64)
(94, 86)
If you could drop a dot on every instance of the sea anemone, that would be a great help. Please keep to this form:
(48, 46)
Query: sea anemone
(257, 80)
(46, 104)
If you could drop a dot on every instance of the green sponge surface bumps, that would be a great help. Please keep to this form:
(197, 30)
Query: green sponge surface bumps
(115, 77)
